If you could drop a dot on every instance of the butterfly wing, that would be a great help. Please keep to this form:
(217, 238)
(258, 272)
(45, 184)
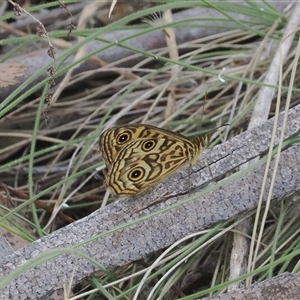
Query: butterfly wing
(137, 156)
(115, 138)
(144, 162)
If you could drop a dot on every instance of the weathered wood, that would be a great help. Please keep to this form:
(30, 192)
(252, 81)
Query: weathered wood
(5, 248)
(170, 220)
(283, 287)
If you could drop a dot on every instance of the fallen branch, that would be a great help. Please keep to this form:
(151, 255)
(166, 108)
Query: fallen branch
(284, 286)
(124, 231)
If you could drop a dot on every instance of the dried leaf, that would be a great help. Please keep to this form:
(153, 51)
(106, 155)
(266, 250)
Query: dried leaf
(9, 71)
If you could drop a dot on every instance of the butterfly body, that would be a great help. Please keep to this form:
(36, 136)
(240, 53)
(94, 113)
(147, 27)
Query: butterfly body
(137, 156)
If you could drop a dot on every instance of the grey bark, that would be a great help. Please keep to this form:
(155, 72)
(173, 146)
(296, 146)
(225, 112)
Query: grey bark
(5, 248)
(145, 229)
(283, 287)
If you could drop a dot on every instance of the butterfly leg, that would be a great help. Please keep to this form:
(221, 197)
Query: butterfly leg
(203, 164)
(159, 200)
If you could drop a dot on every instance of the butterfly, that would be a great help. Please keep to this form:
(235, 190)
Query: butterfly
(138, 156)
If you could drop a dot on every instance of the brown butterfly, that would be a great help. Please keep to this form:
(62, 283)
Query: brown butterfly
(137, 156)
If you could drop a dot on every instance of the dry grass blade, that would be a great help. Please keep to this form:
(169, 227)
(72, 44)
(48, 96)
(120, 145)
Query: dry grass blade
(193, 71)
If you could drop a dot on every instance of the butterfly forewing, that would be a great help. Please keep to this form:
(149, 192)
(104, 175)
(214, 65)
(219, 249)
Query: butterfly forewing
(114, 138)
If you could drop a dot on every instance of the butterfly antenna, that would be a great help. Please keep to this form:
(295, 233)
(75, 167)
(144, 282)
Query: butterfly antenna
(223, 125)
